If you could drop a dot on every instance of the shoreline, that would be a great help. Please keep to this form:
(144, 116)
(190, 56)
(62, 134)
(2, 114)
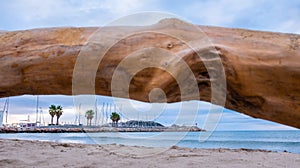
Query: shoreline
(28, 153)
(83, 129)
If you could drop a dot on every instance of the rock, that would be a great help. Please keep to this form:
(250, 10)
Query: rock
(262, 68)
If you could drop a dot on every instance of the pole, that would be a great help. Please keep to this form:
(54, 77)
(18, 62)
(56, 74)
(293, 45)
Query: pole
(79, 113)
(139, 118)
(7, 106)
(102, 114)
(37, 109)
(42, 114)
(121, 112)
(109, 108)
(96, 116)
(106, 117)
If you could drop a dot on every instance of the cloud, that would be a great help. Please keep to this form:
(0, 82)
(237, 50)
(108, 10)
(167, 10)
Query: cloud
(260, 15)
(22, 106)
(26, 14)
(291, 25)
(252, 14)
(218, 12)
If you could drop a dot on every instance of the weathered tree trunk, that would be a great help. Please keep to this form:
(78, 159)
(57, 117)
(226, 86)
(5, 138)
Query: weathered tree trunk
(262, 68)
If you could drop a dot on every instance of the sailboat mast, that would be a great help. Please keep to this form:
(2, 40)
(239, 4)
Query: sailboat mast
(79, 114)
(42, 114)
(109, 109)
(102, 113)
(96, 116)
(37, 109)
(121, 112)
(106, 116)
(6, 113)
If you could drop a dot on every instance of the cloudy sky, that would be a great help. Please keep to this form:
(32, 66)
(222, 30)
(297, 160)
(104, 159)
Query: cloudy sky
(279, 15)
(266, 15)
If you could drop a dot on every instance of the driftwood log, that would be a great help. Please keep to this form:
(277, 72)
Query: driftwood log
(262, 69)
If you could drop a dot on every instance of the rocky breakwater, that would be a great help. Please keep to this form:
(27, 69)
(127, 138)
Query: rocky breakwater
(262, 68)
(144, 129)
(79, 129)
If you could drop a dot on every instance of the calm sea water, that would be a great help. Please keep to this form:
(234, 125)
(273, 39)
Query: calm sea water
(268, 140)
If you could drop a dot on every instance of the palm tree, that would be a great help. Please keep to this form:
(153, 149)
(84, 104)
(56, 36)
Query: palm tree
(89, 116)
(115, 117)
(52, 112)
(58, 113)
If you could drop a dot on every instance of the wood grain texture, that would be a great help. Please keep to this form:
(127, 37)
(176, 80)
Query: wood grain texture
(262, 68)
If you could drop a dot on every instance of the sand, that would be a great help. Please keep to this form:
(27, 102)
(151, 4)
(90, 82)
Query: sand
(21, 153)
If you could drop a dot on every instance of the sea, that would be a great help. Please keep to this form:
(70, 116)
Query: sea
(280, 141)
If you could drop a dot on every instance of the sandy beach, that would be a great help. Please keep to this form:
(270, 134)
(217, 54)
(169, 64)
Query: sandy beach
(21, 153)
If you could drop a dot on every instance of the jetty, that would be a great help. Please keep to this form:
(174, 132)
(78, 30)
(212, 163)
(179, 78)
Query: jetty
(129, 126)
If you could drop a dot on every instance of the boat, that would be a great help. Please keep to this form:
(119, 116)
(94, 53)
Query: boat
(26, 126)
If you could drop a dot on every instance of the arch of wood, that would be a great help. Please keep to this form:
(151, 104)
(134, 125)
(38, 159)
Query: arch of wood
(262, 68)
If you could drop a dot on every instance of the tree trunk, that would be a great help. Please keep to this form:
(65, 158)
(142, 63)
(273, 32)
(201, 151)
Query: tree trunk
(52, 120)
(262, 68)
(57, 118)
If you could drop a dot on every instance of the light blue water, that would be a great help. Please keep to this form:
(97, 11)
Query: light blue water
(268, 140)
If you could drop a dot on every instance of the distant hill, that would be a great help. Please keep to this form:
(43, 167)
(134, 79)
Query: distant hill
(137, 124)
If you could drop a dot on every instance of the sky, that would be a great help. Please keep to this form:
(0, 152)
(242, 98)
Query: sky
(183, 113)
(264, 15)
(268, 15)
